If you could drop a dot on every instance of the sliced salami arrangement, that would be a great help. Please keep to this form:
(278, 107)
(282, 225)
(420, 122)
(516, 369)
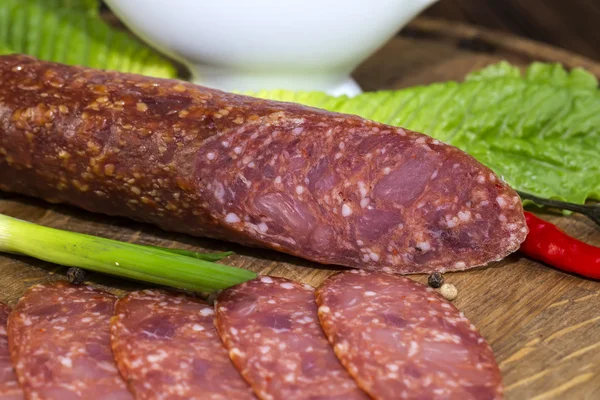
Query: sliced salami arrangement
(60, 344)
(9, 386)
(361, 335)
(332, 188)
(167, 347)
(401, 340)
(271, 329)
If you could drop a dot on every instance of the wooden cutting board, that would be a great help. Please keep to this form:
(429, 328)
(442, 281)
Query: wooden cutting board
(544, 325)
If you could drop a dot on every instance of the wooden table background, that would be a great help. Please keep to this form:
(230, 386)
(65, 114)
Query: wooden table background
(570, 24)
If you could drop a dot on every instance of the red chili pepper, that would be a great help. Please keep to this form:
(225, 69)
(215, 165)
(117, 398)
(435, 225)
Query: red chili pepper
(547, 243)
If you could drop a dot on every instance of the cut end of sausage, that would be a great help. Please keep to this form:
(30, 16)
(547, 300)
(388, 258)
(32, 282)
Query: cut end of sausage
(363, 195)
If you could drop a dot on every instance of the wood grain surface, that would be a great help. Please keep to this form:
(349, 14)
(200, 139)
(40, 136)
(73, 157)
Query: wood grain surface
(570, 24)
(543, 325)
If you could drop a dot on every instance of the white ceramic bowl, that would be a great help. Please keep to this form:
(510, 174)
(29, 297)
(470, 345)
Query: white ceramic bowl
(269, 44)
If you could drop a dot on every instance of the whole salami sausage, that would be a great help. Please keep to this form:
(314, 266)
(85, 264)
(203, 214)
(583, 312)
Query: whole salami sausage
(9, 386)
(167, 347)
(401, 340)
(328, 187)
(271, 329)
(60, 344)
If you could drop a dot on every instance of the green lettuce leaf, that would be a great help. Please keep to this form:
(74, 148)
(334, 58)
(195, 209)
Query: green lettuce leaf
(540, 131)
(72, 32)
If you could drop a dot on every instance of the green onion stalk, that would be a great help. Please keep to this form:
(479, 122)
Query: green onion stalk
(171, 267)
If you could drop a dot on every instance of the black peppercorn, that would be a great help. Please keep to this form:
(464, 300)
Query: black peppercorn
(435, 280)
(76, 275)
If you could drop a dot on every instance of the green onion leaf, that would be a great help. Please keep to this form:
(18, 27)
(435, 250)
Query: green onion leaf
(171, 267)
(194, 254)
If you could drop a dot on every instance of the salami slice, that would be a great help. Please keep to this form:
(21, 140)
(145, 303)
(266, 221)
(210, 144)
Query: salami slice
(332, 188)
(271, 329)
(9, 386)
(60, 344)
(401, 340)
(167, 347)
